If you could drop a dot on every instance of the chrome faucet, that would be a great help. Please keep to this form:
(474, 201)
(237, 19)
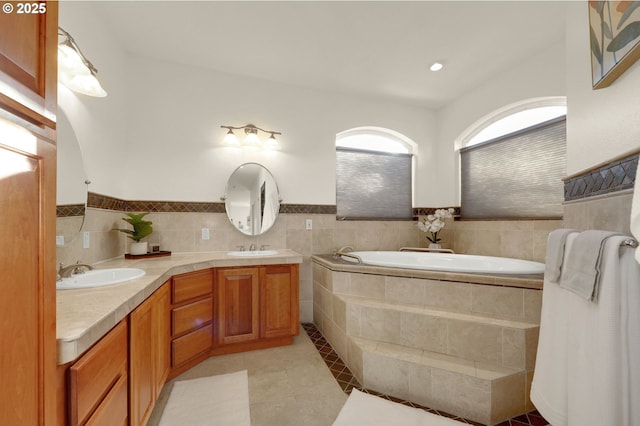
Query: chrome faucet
(67, 271)
(252, 247)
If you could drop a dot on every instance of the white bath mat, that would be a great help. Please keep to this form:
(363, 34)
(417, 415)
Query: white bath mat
(362, 409)
(210, 401)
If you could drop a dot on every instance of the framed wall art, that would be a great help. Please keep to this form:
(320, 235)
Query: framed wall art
(615, 39)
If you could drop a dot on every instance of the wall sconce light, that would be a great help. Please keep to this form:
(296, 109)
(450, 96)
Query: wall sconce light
(251, 137)
(74, 69)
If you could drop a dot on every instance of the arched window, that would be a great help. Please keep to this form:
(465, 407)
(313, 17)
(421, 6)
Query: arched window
(373, 174)
(512, 165)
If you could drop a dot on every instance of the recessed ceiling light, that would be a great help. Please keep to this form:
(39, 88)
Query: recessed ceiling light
(436, 66)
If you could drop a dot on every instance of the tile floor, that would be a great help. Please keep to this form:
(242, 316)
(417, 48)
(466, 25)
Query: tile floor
(305, 384)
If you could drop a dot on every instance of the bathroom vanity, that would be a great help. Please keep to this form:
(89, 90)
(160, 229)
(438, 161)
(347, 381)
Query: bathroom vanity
(118, 345)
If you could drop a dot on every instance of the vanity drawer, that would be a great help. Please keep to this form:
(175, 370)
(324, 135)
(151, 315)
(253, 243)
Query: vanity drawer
(191, 285)
(113, 409)
(93, 377)
(191, 316)
(188, 346)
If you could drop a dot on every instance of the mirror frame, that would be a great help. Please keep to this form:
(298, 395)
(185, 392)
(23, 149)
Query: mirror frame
(263, 199)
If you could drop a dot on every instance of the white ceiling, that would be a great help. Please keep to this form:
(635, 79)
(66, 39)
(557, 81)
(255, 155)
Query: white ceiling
(373, 49)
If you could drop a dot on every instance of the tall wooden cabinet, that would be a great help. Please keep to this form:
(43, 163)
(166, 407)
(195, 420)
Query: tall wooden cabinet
(28, 60)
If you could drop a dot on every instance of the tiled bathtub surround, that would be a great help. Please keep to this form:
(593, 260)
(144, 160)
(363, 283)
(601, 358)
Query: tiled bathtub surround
(347, 382)
(465, 348)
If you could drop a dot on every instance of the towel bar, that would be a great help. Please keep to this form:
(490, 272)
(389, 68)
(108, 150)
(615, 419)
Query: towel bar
(630, 243)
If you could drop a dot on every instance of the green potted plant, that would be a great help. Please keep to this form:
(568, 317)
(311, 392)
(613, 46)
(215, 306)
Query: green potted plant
(141, 228)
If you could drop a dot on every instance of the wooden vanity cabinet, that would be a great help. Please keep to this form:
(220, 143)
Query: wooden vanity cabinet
(148, 353)
(191, 319)
(28, 72)
(257, 307)
(98, 382)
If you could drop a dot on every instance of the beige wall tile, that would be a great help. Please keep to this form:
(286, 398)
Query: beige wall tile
(473, 341)
(467, 396)
(532, 305)
(531, 347)
(420, 388)
(423, 332)
(340, 282)
(508, 397)
(379, 324)
(354, 320)
(368, 285)
(502, 302)
(386, 375)
(448, 295)
(513, 348)
(404, 290)
(339, 313)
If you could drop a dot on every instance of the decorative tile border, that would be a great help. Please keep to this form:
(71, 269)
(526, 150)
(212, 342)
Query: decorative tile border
(615, 176)
(70, 210)
(106, 202)
(308, 209)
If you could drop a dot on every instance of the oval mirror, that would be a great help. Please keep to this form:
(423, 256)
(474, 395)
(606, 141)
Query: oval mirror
(71, 187)
(252, 200)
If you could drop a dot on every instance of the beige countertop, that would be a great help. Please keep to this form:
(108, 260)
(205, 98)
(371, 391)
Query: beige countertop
(83, 316)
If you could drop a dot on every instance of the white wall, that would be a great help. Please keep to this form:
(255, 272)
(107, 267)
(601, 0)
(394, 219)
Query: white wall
(98, 123)
(601, 124)
(174, 140)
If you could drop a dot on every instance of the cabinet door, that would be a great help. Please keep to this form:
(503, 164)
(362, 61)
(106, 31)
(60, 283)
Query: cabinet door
(148, 354)
(28, 61)
(27, 262)
(279, 303)
(238, 305)
(141, 359)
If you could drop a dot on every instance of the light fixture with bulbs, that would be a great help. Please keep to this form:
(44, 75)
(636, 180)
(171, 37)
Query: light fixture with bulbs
(74, 69)
(251, 137)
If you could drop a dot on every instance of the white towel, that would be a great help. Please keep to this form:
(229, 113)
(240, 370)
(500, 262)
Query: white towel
(554, 258)
(635, 216)
(583, 264)
(587, 371)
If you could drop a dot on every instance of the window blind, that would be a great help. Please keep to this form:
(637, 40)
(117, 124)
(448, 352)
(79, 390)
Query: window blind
(516, 176)
(373, 185)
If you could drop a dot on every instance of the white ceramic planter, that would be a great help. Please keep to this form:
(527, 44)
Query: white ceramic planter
(138, 248)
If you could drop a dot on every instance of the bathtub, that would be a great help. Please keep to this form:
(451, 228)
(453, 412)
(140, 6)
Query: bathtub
(447, 262)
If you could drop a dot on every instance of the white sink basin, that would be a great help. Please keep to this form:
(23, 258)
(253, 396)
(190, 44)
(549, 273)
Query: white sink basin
(99, 278)
(255, 253)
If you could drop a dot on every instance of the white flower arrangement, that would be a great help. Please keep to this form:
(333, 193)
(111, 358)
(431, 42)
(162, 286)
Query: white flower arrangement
(434, 223)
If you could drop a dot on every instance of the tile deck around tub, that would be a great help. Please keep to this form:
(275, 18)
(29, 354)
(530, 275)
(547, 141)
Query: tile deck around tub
(347, 381)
